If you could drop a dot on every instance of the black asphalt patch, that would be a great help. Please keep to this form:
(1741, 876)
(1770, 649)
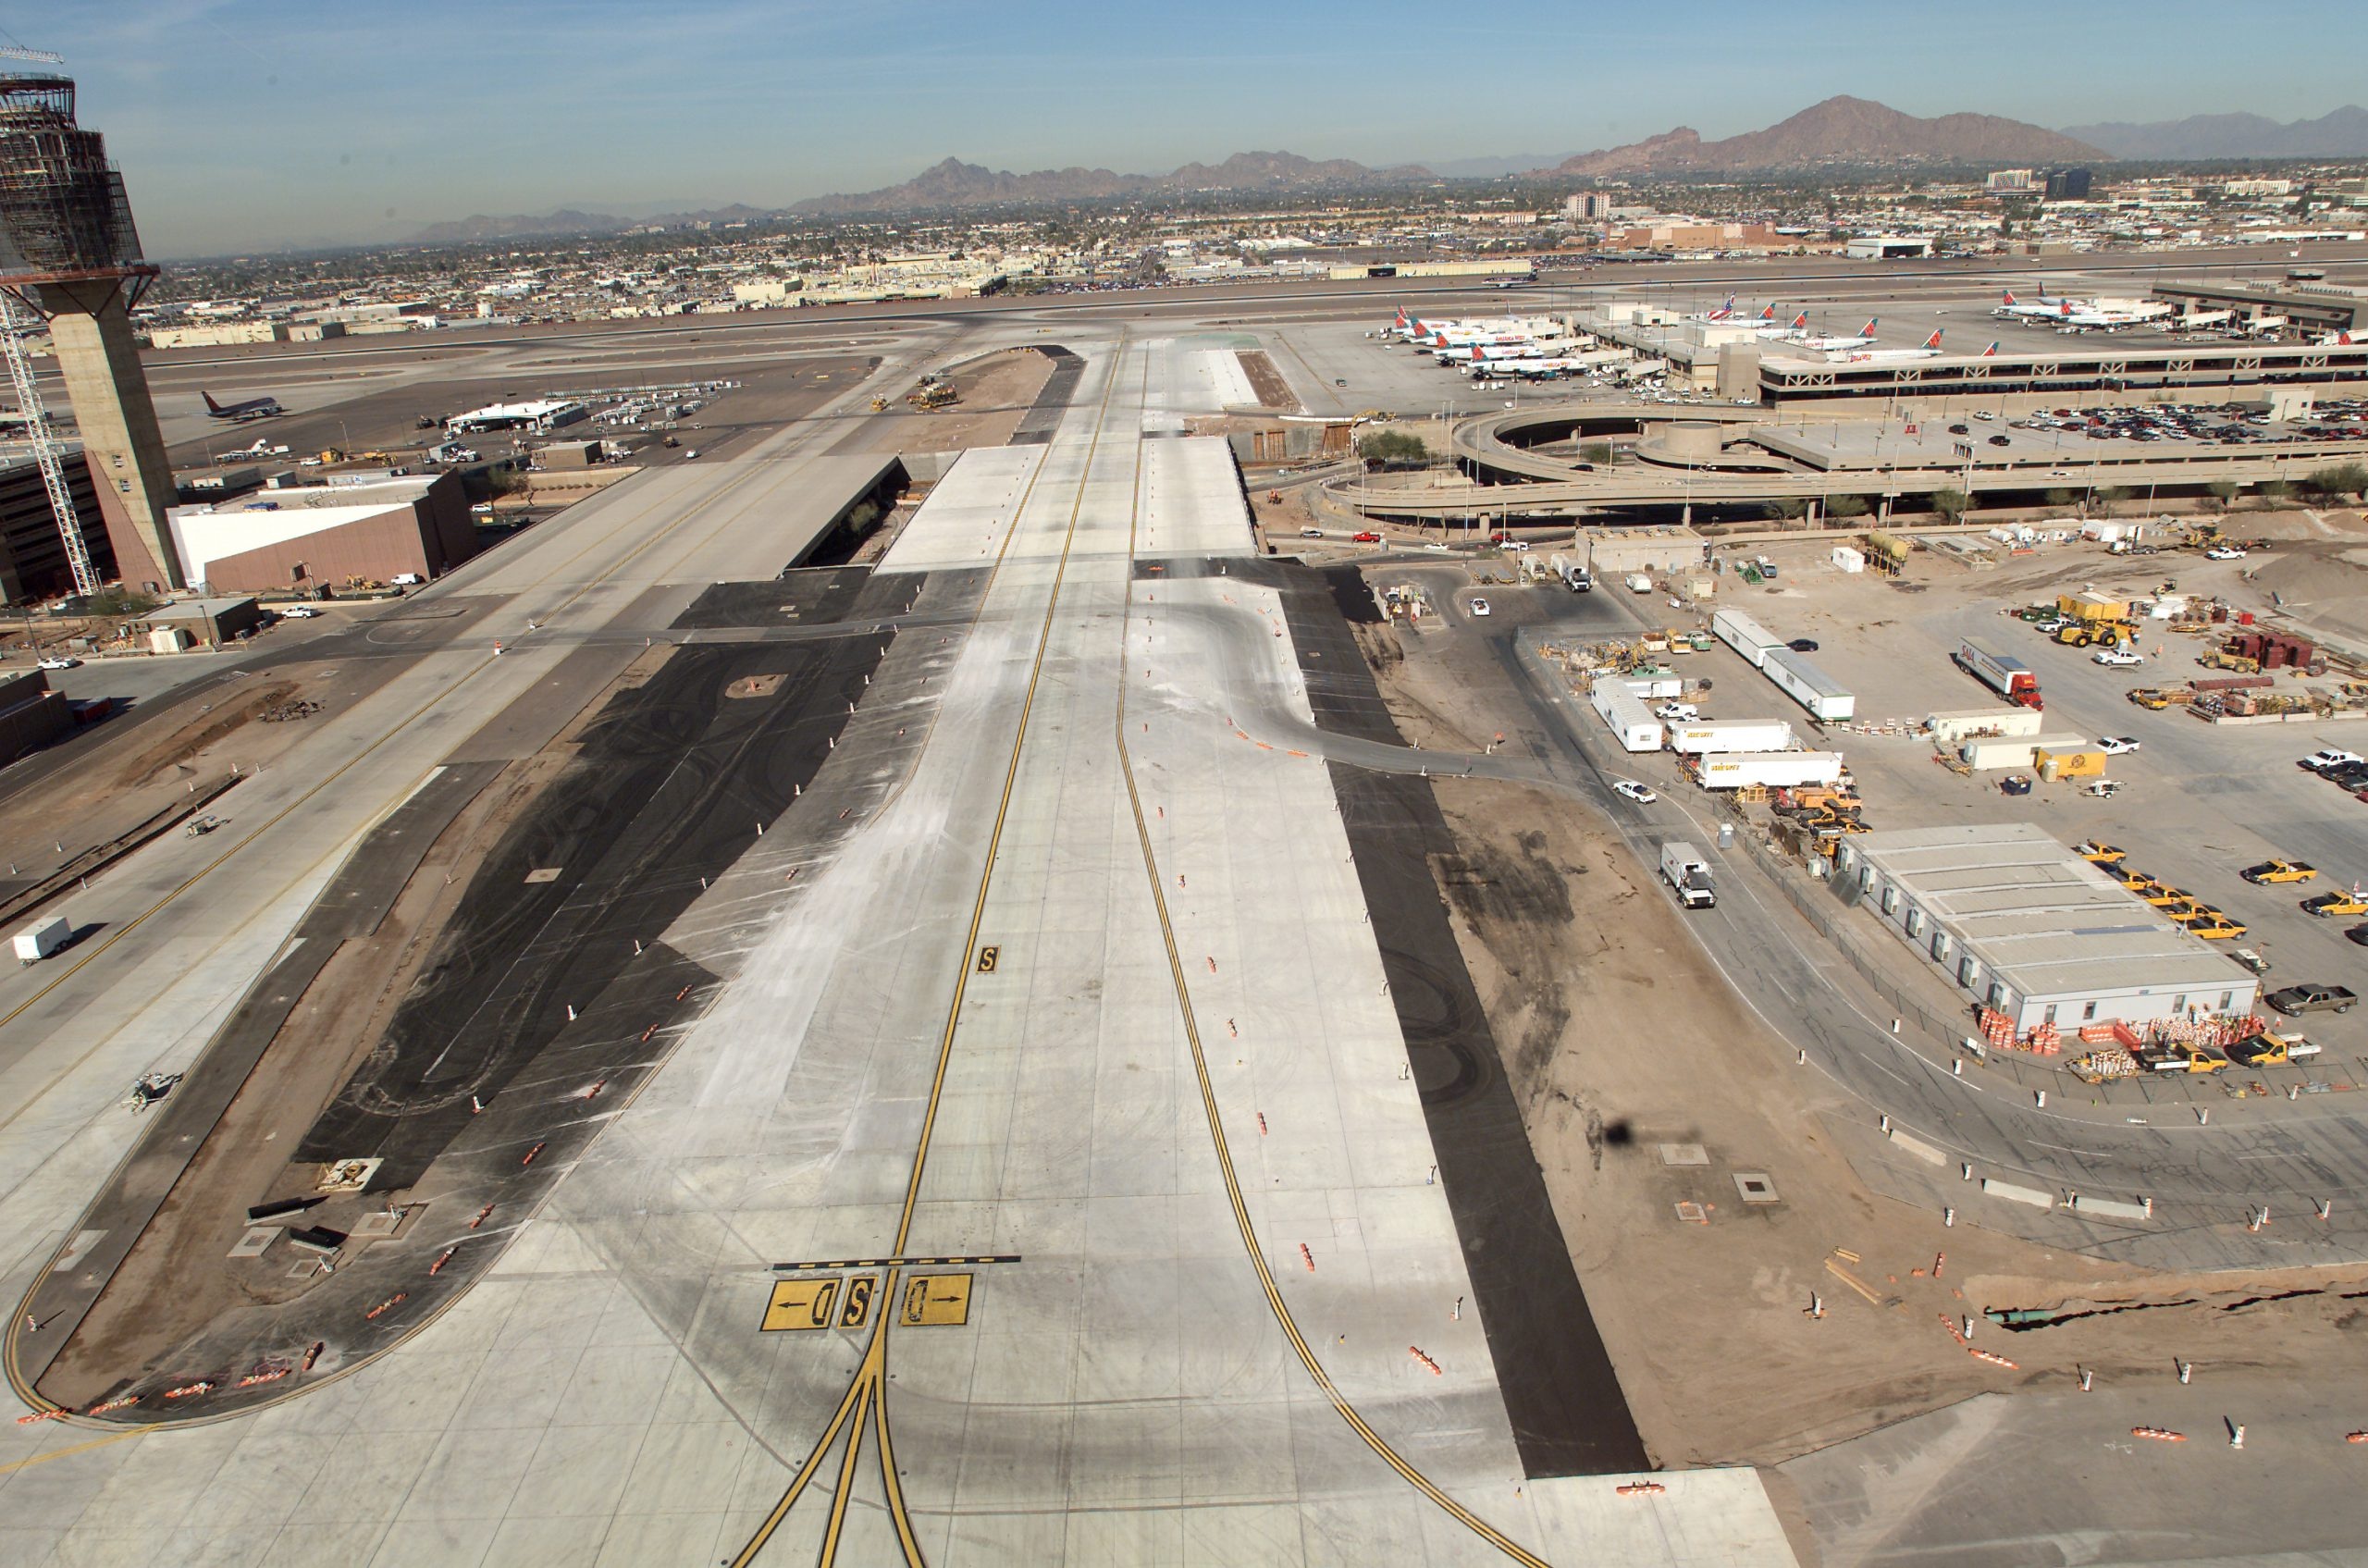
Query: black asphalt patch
(1043, 416)
(800, 595)
(1569, 1416)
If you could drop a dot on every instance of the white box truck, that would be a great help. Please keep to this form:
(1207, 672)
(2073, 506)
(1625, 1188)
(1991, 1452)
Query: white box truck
(1687, 874)
(42, 938)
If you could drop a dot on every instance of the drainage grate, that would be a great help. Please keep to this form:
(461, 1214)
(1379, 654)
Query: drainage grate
(1756, 1187)
(1693, 1214)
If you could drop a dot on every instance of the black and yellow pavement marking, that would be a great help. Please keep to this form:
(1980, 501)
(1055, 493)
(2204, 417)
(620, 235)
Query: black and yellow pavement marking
(937, 1301)
(800, 1303)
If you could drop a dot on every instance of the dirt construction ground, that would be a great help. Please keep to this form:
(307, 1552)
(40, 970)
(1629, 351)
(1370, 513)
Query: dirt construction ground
(1648, 1087)
(996, 392)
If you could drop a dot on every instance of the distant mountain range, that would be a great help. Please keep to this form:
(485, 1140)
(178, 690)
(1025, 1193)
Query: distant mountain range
(2342, 133)
(1840, 130)
(955, 184)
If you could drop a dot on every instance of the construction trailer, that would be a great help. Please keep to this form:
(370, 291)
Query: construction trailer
(1745, 635)
(1827, 699)
(1632, 722)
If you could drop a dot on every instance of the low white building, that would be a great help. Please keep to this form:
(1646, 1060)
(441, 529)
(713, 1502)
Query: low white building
(2025, 926)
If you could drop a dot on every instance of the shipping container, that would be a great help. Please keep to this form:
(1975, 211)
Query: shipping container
(1744, 635)
(1659, 689)
(1825, 696)
(1773, 769)
(1632, 722)
(2082, 763)
(1733, 734)
(1972, 723)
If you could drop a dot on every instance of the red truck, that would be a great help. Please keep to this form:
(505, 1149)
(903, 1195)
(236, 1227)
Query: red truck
(2010, 678)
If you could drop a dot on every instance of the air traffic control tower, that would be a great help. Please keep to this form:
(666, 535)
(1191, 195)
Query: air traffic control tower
(70, 254)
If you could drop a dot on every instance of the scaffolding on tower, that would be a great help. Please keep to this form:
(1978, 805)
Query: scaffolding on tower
(67, 242)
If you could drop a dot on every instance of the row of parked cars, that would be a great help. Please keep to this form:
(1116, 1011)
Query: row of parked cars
(2225, 423)
(2345, 770)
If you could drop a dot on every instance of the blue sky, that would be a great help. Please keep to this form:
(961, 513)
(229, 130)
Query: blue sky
(267, 122)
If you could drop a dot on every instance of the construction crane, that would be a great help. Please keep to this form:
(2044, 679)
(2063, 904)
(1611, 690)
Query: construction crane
(16, 325)
(18, 322)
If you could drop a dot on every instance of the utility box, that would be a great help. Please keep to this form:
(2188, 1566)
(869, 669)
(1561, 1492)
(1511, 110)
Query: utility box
(168, 640)
(42, 938)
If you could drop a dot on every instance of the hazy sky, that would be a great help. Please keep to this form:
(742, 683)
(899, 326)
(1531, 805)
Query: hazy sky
(268, 122)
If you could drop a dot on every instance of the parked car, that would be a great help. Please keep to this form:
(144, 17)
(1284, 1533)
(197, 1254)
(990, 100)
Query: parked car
(1480, 607)
(1629, 789)
(2117, 745)
(2270, 872)
(1677, 712)
(2319, 761)
(58, 661)
(2117, 655)
(2223, 552)
(2312, 999)
(299, 612)
(1803, 644)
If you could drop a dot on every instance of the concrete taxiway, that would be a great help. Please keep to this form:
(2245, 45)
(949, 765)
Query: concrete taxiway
(1045, 1177)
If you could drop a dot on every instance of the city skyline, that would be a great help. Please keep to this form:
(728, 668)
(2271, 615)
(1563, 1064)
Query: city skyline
(248, 124)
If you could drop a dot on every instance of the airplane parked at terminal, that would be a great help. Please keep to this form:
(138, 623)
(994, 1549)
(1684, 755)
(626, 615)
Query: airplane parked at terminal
(252, 408)
(2013, 309)
(1931, 347)
(1865, 335)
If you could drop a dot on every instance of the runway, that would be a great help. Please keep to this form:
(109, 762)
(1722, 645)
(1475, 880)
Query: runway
(1046, 971)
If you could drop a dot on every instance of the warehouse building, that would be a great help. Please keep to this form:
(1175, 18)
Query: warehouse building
(2023, 925)
(296, 540)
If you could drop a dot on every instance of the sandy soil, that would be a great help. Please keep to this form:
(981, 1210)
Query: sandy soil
(1274, 391)
(1646, 1084)
(995, 389)
(126, 779)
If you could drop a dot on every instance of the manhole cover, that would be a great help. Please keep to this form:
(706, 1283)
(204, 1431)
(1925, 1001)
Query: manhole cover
(1693, 1214)
(1756, 1187)
(1684, 1153)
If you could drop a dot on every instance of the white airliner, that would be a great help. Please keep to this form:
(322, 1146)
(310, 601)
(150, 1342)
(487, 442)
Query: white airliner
(1866, 335)
(1931, 346)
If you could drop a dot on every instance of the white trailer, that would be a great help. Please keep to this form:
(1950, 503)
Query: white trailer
(42, 938)
(1632, 722)
(1771, 769)
(1974, 723)
(1825, 696)
(1655, 689)
(1732, 736)
(1744, 635)
(2019, 751)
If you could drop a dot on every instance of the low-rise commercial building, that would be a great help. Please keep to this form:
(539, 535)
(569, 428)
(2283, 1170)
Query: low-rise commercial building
(296, 540)
(2023, 925)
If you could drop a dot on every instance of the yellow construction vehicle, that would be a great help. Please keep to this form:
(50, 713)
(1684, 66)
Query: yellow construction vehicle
(2221, 659)
(932, 395)
(879, 403)
(2092, 634)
